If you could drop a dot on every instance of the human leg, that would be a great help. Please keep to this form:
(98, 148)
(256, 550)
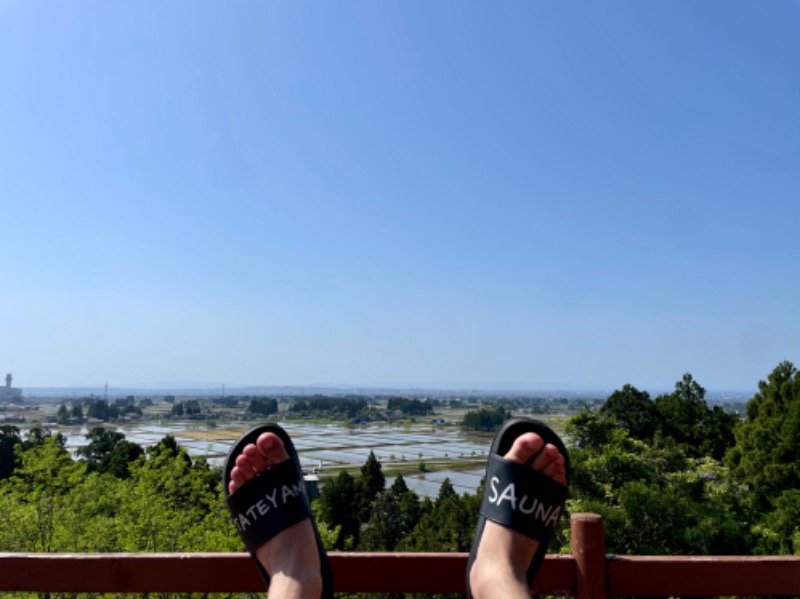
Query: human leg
(265, 484)
(505, 555)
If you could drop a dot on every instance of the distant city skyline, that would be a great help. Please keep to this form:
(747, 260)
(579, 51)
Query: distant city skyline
(399, 194)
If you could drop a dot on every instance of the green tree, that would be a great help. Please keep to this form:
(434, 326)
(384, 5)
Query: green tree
(169, 444)
(117, 463)
(686, 418)
(263, 406)
(655, 500)
(682, 411)
(337, 499)
(589, 429)
(392, 517)
(372, 477)
(169, 503)
(766, 456)
(410, 407)
(42, 489)
(37, 435)
(446, 525)
(399, 485)
(780, 531)
(108, 451)
(101, 410)
(718, 433)
(101, 443)
(446, 492)
(9, 440)
(485, 419)
(369, 485)
(633, 410)
(385, 524)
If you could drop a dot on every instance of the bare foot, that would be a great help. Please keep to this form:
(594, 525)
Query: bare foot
(503, 556)
(291, 557)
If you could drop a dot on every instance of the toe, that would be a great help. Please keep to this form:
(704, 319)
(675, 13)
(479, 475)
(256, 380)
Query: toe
(237, 479)
(524, 448)
(245, 466)
(255, 458)
(556, 471)
(271, 447)
(551, 463)
(545, 457)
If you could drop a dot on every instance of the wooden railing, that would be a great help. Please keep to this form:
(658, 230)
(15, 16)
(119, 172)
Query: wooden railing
(586, 574)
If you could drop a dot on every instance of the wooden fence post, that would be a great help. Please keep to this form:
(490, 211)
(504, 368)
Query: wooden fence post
(589, 550)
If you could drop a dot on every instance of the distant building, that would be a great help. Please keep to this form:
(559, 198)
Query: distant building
(8, 393)
(312, 485)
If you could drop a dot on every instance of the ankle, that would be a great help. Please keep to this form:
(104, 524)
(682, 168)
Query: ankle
(293, 562)
(301, 583)
(501, 564)
(496, 579)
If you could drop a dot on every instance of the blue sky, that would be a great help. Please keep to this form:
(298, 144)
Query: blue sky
(529, 194)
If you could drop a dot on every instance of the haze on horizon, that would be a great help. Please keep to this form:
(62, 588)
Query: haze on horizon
(407, 194)
(487, 388)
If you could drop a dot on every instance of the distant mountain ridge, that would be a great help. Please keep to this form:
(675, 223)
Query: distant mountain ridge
(210, 390)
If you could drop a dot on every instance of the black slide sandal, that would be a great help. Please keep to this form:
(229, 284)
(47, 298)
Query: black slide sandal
(272, 501)
(533, 505)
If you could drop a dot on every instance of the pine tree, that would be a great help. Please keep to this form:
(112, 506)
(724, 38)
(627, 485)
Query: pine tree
(766, 456)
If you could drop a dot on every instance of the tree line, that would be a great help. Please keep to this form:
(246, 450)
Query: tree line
(100, 409)
(410, 406)
(485, 419)
(673, 475)
(323, 406)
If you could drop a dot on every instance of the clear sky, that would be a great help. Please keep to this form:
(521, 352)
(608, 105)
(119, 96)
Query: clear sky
(415, 193)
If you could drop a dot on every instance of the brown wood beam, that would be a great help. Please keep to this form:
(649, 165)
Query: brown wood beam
(654, 576)
(236, 572)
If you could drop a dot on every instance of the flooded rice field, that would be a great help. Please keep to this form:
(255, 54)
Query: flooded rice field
(329, 447)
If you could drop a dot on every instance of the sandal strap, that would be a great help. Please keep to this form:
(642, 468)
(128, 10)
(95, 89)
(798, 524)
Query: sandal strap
(269, 504)
(521, 498)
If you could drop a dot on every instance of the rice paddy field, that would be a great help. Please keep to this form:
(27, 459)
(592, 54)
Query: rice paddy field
(326, 449)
